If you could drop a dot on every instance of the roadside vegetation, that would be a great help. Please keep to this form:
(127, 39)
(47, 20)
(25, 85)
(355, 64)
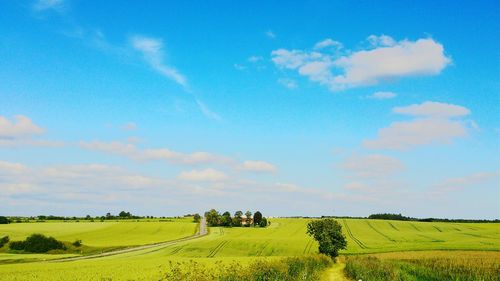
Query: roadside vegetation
(305, 268)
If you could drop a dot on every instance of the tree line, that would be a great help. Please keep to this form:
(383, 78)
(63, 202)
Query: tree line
(214, 218)
(399, 217)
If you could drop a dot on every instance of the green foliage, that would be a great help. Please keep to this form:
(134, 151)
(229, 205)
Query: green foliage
(328, 233)
(77, 243)
(306, 268)
(426, 267)
(226, 219)
(248, 216)
(196, 218)
(257, 217)
(390, 217)
(4, 240)
(213, 217)
(263, 222)
(238, 215)
(37, 243)
(124, 214)
(4, 220)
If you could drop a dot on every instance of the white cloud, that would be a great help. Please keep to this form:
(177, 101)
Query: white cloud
(270, 34)
(21, 131)
(434, 126)
(131, 151)
(328, 43)
(433, 109)
(42, 5)
(288, 83)
(152, 50)
(239, 67)
(381, 41)
(387, 60)
(372, 166)
(20, 127)
(476, 179)
(207, 112)
(255, 59)
(210, 175)
(258, 166)
(383, 95)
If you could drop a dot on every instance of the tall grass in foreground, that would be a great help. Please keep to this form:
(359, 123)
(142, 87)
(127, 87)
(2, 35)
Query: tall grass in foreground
(307, 268)
(456, 266)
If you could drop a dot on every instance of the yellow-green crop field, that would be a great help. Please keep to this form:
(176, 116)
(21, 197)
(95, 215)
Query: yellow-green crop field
(284, 237)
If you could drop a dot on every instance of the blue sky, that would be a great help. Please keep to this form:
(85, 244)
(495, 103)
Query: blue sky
(312, 108)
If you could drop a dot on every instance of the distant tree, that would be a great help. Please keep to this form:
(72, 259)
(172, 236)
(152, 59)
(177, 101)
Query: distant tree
(238, 215)
(257, 217)
(263, 222)
(196, 218)
(77, 243)
(328, 233)
(213, 217)
(226, 219)
(124, 214)
(248, 214)
(87, 217)
(4, 220)
(108, 215)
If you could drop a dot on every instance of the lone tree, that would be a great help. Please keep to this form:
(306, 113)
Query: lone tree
(196, 217)
(328, 233)
(257, 217)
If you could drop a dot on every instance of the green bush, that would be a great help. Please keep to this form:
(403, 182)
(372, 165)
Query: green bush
(37, 243)
(4, 240)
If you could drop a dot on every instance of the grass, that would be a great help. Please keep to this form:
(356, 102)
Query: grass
(430, 266)
(283, 238)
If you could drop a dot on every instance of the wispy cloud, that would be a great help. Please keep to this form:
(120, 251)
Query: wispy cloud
(43, 5)
(258, 166)
(153, 53)
(288, 83)
(21, 131)
(433, 124)
(210, 175)
(382, 95)
(270, 34)
(207, 112)
(386, 59)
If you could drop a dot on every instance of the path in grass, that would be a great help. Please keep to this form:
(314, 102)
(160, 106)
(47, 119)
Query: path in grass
(335, 273)
(202, 232)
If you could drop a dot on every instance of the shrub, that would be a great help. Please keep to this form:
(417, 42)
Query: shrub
(77, 243)
(4, 220)
(4, 241)
(37, 243)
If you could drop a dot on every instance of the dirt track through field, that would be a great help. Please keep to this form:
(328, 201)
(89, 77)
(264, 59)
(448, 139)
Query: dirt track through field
(202, 232)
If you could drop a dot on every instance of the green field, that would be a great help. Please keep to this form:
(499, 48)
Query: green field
(284, 237)
(107, 233)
